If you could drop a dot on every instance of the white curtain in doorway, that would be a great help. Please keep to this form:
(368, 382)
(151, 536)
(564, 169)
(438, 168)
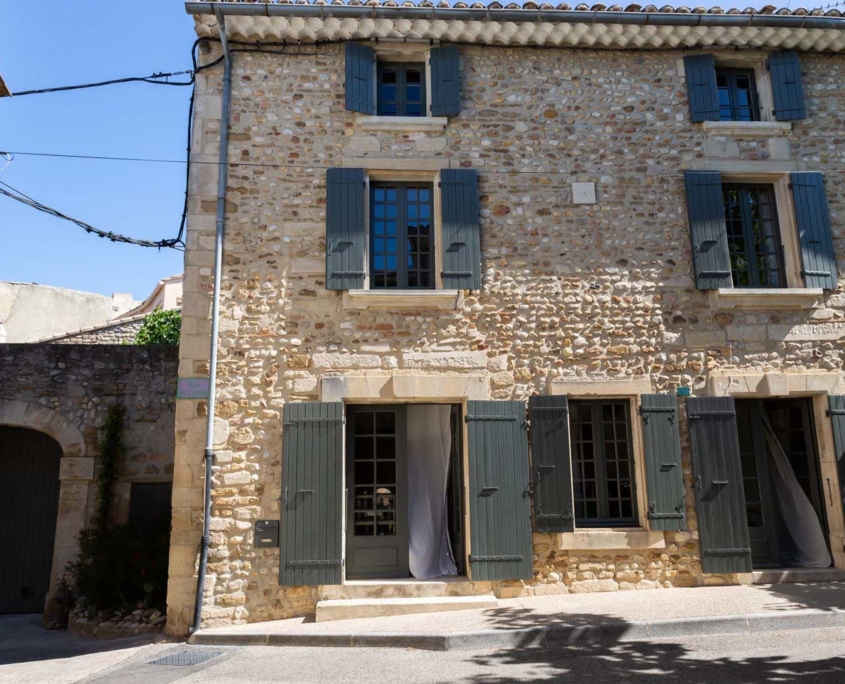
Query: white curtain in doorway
(801, 541)
(429, 446)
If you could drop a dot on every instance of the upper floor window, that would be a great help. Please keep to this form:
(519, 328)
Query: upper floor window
(754, 241)
(737, 89)
(401, 89)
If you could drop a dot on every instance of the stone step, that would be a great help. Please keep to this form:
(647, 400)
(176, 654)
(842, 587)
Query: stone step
(379, 589)
(797, 575)
(348, 609)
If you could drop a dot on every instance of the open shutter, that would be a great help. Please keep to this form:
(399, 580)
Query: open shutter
(814, 234)
(551, 462)
(445, 81)
(708, 231)
(720, 499)
(701, 88)
(312, 477)
(499, 507)
(666, 497)
(837, 420)
(345, 229)
(787, 86)
(461, 229)
(360, 78)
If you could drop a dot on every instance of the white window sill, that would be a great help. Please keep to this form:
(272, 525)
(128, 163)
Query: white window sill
(446, 300)
(747, 128)
(766, 299)
(610, 540)
(409, 124)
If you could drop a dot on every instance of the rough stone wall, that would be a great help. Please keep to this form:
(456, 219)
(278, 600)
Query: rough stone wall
(118, 333)
(602, 292)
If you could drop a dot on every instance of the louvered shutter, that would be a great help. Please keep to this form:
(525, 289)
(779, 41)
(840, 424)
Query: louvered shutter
(499, 507)
(837, 421)
(551, 462)
(345, 229)
(664, 476)
(360, 78)
(701, 88)
(445, 81)
(312, 494)
(814, 233)
(708, 231)
(461, 229)
(787, 86)
(720, 499)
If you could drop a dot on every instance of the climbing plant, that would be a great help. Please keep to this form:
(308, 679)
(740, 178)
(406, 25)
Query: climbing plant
(112, 451)
(160, 327)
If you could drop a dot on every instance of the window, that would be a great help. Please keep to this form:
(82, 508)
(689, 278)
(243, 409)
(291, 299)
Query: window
(737, 90)
(754, 244)
(401, 89)
(602, 463)
(401, 236)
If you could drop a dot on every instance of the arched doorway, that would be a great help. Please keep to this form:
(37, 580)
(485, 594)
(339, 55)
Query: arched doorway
(29, 489)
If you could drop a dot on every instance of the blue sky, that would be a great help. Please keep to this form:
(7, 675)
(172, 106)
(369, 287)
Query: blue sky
(66, 42)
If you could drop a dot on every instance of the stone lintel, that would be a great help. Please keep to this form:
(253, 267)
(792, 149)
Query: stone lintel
(608, 540)
(407, 388)
(773, 384)
(601, 388)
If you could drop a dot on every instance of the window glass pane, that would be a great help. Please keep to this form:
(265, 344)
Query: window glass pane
(754, 244)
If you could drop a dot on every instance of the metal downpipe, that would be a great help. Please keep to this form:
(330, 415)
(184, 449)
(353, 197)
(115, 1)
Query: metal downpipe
(223, 176)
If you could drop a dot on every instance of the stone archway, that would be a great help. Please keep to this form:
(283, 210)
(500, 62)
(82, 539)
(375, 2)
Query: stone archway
(76, 470)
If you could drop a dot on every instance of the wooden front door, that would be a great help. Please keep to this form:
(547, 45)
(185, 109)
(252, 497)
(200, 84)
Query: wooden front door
(376, 482)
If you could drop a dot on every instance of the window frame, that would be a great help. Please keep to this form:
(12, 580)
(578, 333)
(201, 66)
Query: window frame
(602, 498)
(748, 236)
(731, 73)
(401, 101)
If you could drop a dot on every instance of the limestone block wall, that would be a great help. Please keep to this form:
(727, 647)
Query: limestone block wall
(66, 391)
(592, 292)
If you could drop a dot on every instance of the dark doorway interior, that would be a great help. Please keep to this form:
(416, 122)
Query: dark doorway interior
(792, 423)
(29, 489)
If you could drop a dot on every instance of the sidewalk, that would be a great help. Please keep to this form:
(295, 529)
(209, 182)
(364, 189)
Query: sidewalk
(614, 616)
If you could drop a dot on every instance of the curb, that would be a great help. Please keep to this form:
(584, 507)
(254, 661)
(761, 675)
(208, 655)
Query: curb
(548, 637)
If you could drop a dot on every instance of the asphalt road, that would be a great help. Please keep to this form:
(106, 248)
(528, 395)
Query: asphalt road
(811, 656)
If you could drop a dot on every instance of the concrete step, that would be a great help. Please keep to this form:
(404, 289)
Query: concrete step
(797, 575)
(404, 588)
(347, 609)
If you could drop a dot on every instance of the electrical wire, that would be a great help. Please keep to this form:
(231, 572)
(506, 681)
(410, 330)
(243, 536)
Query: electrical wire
(154, 79)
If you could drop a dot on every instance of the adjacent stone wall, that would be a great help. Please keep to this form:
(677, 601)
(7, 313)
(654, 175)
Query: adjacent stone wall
(600, 292)
(122, 332)
(66, 391)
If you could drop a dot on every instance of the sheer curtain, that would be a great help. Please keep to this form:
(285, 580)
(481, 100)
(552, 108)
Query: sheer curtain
(801, 540)
(429, 446)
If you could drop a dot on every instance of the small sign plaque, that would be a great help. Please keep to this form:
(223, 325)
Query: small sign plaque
(683, 392)
(192, 388)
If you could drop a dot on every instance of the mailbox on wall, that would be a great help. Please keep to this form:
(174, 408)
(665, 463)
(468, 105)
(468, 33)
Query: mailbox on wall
(266, 533)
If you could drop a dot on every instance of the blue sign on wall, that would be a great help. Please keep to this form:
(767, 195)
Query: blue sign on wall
(192, 388)
(683, 392)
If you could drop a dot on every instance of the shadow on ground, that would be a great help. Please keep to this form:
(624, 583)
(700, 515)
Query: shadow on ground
(819, 596)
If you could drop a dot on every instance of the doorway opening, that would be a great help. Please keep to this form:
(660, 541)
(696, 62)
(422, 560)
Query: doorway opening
(404, 491)
(782, 483)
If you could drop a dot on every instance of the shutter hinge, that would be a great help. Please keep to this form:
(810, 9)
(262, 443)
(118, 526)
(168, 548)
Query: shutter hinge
(711, 414)
(494, 559)
(789, 185)
(834, 412)
(728, 552)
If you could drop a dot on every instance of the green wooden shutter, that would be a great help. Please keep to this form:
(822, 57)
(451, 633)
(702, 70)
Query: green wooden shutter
(787, 86)
(665, 478)
(837, 421)
(312, 494)
(551, 462)
(720, 499)
(499, 506)
(701, 88)
(461, 229)
(814, 233)
(445, 81)
(360, 78)
(345, 228)
(708, 231)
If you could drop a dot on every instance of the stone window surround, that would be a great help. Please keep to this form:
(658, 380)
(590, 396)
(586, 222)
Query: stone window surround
(761, 385)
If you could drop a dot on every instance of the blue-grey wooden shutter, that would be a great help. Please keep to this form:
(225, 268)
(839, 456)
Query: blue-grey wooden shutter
(346, 228)
(551, 462)
(720, 498)
(701, 88)
(312, 495)
(461, 229)
(787, 86)
(445, 81)
(499, 497)
(360, 78)
(837, 420)
(664, 476)
(708, 231)
(814, 233)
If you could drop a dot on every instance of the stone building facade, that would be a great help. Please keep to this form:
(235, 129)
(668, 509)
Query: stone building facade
(588, 278)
